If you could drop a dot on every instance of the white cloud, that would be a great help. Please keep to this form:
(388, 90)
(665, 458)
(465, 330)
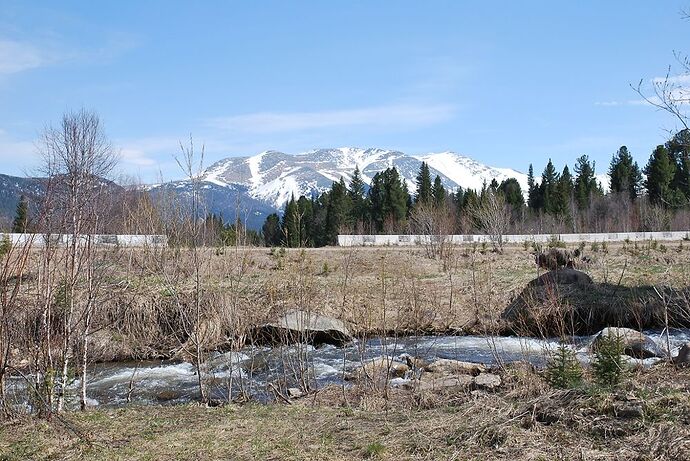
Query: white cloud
(18, 56)
(391, 116)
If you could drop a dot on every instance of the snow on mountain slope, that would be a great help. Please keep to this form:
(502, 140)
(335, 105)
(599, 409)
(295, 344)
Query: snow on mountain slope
(273, 177)
(469, 173)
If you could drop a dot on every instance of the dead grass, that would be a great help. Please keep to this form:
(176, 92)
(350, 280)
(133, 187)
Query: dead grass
(388, 289)
(525, 420)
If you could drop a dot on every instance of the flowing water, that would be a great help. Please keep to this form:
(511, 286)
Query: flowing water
(257, 371)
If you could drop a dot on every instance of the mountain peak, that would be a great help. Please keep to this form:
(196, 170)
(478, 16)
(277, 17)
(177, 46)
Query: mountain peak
(273, 176)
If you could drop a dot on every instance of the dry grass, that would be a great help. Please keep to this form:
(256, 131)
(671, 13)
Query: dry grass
(390, 289)
(522, 421)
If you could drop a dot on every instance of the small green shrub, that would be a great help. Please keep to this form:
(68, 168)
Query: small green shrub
(607, 364)
(374, 450)
(604, 247)
(595, 247)
(5, 246)
(564, 370)
(554, 242)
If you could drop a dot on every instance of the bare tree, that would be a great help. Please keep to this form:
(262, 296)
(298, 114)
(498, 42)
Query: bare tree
(492, 215)
(77, 159)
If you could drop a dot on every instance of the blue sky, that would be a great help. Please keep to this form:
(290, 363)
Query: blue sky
(507, 83)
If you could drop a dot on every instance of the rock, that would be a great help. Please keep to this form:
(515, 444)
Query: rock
(301, 326)
(487, 381)
(683, 357)
(448, 366)
(294, 393)
(565, 276)
(378, 369)
(635, 344)
(445, 382)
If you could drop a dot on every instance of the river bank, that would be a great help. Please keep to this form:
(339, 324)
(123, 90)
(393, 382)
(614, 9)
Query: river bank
(645, 418)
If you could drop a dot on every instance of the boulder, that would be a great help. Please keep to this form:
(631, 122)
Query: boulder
(378, 369)
(683, 357)
(428, 383)
(451, 367)
(487, 381)
(566, 276)
(305, 327)
(635, 344)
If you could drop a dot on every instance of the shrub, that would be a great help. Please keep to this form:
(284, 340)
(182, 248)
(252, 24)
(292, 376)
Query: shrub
(564, 370)
(607, 364)
(5, 245)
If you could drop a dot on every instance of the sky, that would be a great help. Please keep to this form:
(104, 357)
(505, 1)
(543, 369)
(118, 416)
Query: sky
(506, 83)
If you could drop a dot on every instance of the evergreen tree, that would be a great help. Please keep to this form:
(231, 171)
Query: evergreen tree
(660, 171)
(291, 226)
(533, 193)
(438, 192)
(564, 194)
(423, 184)
(358, 209)
(585, 182)
(679, 150)
(511, 190)
(271, 230)
(338, 210)
(21, 217)
(306, 214)
(548, 189)
(624, 173)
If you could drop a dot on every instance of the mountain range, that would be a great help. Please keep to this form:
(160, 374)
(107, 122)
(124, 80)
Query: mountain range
(253, 187)
(262, 184)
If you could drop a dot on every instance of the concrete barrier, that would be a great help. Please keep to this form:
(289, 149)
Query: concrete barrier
(408, 240)
(40, 240)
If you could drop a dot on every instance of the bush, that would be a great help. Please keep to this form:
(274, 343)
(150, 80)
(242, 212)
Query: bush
(564, 370)
(607, 364)
(5, 245)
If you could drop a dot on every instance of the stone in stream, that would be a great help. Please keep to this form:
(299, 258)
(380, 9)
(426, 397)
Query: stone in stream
(635, 343)
(487, 381)
(683, 357)
(449, 366)
(379, 368)
(306, 327)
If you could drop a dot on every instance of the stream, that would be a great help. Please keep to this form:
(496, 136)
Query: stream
(255, 371)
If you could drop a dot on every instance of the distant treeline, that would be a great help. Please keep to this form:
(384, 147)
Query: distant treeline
(559, 202)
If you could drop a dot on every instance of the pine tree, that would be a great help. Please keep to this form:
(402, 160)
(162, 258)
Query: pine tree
(564, 194)
(21, 217)
(358, 210)
(549, 189)
(271, 230)
(338, 210)
(585, 182)
(679, 150)
(533, 195)
(624, 173)
(423, 184)
(438, 192)
(291, 226)
(511, 190)
(660, 171)
(306, 213)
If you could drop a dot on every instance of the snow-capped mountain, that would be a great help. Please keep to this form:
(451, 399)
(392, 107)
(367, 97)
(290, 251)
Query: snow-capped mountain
(273, 177)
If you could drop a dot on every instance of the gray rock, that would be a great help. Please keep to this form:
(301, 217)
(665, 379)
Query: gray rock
(378, 369)
(487, 381)
(294, 393)
(635, 343)
(683, 357)
(445, 382)
(448, 366)
(306, 327)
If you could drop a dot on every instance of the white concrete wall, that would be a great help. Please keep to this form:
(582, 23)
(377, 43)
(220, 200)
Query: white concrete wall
(404, 240)
(40, 240)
